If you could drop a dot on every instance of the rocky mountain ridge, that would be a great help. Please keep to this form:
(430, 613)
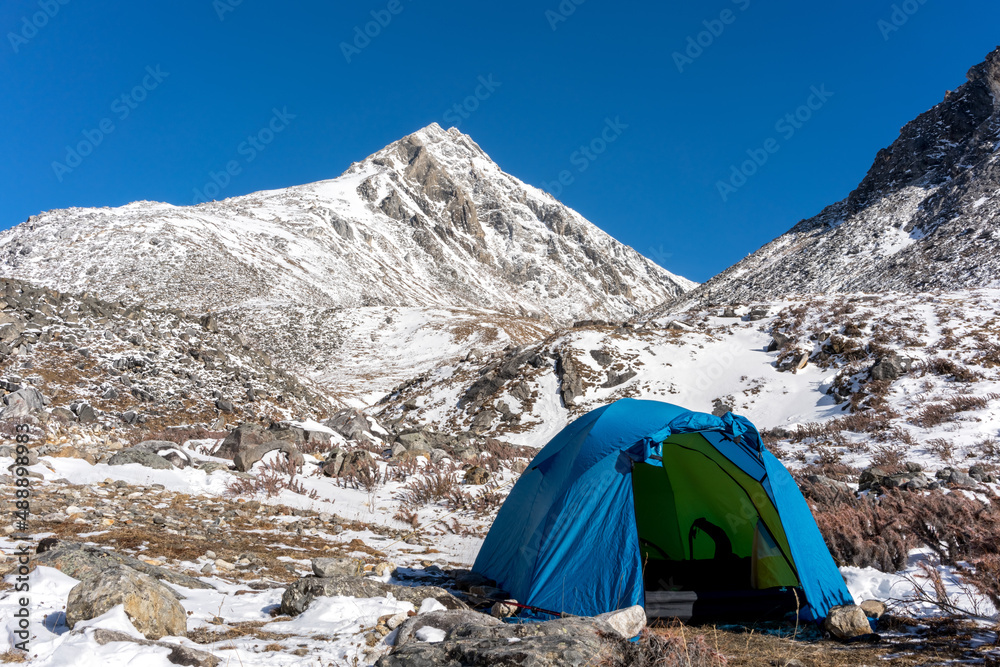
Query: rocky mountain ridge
(923, 218)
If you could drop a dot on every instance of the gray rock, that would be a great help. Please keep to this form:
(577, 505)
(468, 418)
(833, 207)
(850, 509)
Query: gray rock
(872, 479)
(464, 581)
(178, 655)
(301, 593)
(245, 435)
(602, 357)
(334, 462)
(142, 457)
(62, 414)
(979, 473)
(720, 408)
(846, 622)
(574, 641)
(224, 406)
(959, 478)
(616, 379)
(350, 423)
(874, 609)
(21, 403)
(913, 481)
(414, 441)
(570, 379)
(890, 367)
(329, 567)
(628, 622)
(152, 607)
(81, 560)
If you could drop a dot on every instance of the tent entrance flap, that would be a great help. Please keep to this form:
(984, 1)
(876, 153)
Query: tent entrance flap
(704, 524)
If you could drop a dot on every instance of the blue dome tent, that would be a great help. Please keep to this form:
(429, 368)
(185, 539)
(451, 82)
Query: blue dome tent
(646, 503)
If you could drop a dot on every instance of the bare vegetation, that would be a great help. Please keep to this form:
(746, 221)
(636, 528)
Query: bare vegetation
(880, 531)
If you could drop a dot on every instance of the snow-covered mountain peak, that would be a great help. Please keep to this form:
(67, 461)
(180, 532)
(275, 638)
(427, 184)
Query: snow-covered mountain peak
(429, 222)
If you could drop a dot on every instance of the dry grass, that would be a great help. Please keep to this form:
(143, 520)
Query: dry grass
(205, 635)
(904, 643)
(430, 488)
(13, 655)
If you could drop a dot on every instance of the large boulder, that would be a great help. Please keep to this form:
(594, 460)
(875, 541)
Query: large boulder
(21, 403)
(570, 379)
(300, 594)
(573, 641)
(170, 451)
(152, 607)
(141, 456)
(331, 567)
(890, 367)
(243, 436)
(350, 423)
(847, 621)
(872, 478)
(334, 462)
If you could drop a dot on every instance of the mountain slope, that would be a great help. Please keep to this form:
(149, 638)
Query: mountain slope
(923, 218)
(429, 222)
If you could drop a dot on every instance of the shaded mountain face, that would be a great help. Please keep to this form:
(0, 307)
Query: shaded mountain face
(925, 216)
(426, 246)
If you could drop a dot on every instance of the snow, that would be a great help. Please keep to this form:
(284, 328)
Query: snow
(430, 635)
(330, 627)
(899, 589)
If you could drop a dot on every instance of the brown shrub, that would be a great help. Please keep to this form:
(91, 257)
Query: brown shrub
(880, 531)
(484, 503)
(984, 576)
(945, 449)
(947, 367)
(429, 488)
(938, 413)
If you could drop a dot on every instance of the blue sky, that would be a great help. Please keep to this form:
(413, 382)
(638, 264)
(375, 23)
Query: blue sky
(169, 92)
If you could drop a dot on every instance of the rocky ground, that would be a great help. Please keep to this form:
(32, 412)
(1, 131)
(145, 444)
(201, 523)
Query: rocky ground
(883, 406)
